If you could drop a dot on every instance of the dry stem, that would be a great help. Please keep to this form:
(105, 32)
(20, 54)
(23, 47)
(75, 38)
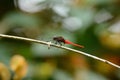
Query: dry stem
(58, 46)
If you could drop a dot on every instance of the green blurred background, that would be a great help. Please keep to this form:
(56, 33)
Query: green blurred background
(92, 23)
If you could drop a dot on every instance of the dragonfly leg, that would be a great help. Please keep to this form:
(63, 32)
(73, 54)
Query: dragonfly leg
(56, 42)
(60, 43)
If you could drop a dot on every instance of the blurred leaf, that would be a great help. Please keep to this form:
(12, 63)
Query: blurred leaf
(4, 72)
(14, 18)
(19, 66)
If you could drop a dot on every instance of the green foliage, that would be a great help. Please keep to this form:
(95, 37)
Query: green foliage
(92, 23)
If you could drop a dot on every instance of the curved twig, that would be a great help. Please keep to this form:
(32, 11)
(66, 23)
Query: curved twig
(58, 46)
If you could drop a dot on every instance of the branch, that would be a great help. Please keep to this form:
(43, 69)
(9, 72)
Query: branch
(62, 47)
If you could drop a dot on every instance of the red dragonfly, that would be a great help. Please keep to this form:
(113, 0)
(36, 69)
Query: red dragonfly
(60, 40)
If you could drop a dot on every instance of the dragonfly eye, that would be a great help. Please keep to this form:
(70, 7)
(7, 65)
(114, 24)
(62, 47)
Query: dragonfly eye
(54, 38)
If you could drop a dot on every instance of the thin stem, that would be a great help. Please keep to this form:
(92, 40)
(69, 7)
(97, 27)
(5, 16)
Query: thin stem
(62, 47)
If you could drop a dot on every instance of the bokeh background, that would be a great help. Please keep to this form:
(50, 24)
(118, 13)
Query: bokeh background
(92, 23)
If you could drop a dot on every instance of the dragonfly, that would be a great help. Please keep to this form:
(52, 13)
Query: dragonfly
(61, 40)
